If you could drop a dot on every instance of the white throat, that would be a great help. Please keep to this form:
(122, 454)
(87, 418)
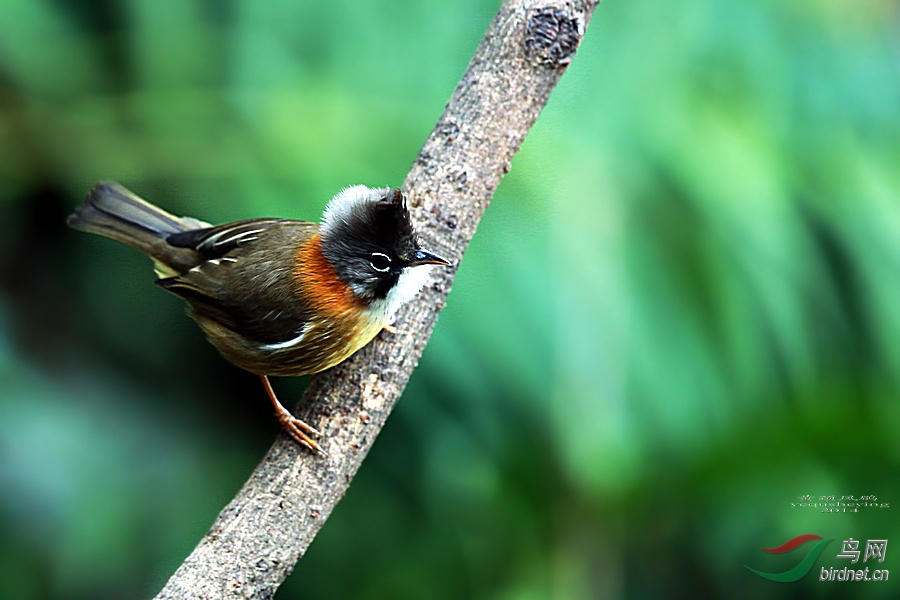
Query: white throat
(411, 280)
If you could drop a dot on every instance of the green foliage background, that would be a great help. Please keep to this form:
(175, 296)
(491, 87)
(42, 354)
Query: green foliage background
(680, 313)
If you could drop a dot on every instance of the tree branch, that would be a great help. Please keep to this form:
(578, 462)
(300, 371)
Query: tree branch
(256, 540)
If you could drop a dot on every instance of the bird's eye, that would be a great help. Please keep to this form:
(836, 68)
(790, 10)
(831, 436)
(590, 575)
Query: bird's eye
(380, 262)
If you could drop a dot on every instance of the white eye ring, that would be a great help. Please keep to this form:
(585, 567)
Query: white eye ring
(385, 257)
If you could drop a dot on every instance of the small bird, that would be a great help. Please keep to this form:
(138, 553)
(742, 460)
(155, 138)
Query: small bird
(278, 296)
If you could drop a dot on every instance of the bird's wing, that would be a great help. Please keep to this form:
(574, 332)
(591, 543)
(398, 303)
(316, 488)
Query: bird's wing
(213, 242)
(246, 282)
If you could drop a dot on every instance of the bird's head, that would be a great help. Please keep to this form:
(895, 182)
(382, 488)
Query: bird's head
(368, 237)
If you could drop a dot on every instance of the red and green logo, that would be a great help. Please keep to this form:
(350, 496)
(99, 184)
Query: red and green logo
(805, 565)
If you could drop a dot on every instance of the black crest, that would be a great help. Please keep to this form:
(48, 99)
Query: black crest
(368, 238)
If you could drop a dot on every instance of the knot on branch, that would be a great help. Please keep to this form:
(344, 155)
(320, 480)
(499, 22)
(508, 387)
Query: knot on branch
(552, 36)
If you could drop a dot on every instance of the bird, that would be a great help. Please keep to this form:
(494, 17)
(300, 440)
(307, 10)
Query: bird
(278, 297)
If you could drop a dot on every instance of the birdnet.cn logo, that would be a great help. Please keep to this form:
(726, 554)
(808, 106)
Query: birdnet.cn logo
(874, 550)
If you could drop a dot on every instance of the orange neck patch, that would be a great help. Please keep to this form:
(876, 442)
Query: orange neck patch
(326, 294)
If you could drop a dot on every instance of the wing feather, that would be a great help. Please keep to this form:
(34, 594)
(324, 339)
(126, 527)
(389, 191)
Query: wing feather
(212, 242)
(246, 282)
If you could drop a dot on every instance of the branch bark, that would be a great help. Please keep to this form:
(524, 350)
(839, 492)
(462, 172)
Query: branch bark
(258, 538)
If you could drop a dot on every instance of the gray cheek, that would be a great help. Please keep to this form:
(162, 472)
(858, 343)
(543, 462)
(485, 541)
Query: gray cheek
(361, 290)
(364, 284)
(355, 272)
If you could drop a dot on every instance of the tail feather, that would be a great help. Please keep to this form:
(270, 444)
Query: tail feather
(114, 212)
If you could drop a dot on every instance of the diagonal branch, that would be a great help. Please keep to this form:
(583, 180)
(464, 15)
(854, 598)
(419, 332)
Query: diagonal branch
(256, 540)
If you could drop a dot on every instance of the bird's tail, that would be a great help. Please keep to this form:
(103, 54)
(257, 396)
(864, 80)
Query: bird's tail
(114, 212)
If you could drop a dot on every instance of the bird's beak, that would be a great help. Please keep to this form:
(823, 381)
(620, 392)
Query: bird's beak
(424, 257)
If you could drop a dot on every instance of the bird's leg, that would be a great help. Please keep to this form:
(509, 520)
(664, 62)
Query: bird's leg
(391, 328)
(296, 428)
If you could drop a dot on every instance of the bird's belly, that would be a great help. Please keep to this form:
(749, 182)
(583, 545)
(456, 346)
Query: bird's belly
(322, 345)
